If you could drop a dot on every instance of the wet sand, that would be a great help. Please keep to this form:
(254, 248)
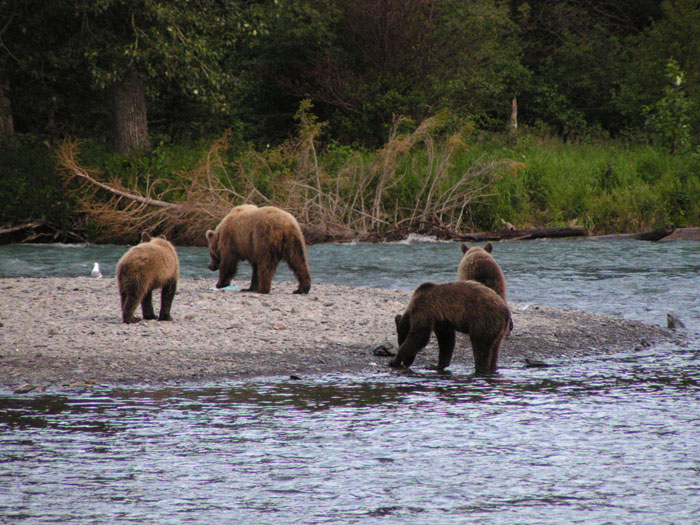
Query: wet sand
(67, 333)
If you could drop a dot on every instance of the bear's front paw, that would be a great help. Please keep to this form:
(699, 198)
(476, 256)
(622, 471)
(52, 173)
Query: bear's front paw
(396, 363)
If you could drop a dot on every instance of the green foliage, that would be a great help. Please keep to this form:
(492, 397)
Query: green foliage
(313, 90)
(606, 187)
(672, 37)
(31, 188)
(577, 69)
(529, 182)
(669, 118)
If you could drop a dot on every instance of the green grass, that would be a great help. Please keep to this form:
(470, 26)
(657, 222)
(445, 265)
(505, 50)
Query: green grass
(606, 186)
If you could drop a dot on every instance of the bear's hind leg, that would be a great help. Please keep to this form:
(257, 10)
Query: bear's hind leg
(494, 350)
(482, 356)
(167, 294)
(297, 263)
(147, 306)
(129, 304)
(302, 275)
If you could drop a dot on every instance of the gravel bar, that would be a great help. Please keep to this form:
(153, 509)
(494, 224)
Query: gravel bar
(67, 333)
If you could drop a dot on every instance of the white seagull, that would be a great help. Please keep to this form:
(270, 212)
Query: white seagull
(96, 271)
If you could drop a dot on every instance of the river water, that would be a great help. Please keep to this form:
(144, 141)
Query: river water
(612, 439)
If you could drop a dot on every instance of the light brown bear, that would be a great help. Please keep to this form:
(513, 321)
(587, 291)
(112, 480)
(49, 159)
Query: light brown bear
(478, 264)
(463, 306)
(146, 267)
(264, 237)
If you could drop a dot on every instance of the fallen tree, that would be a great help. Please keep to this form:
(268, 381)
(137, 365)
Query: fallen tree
(534, 233)
(353, 203)
(125, 213)
(651, 235)
(38, 232)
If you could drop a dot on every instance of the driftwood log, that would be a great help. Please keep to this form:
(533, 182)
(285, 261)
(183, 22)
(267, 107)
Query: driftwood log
(651, 235)
(38, 232)
(684, 234)
(516, 235)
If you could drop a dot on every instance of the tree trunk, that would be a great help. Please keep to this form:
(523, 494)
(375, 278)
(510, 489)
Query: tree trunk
(129, 112)
(513, 123)
(7, 127)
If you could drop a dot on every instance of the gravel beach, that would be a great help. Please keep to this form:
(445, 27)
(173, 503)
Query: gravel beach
(67, 333)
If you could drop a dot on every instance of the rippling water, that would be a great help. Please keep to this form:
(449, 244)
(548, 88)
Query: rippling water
(634, 279)
(611, 439)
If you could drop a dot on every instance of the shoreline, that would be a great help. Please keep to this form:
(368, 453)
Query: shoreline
(67, 333)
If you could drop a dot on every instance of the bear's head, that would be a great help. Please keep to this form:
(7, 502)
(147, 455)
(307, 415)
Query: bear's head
(488, 248)
(214, 252)
(403, 326)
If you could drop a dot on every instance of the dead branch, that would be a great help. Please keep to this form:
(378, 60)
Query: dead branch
(66, 157)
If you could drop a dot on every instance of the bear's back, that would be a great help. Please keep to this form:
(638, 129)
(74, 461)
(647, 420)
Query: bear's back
(244, 222)
(479, 265)
(154, 261)
(462, 303)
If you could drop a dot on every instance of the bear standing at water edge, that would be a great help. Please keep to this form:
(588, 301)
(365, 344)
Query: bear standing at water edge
(463, 306)
(146, 267)
(478, 264)
(264, 237)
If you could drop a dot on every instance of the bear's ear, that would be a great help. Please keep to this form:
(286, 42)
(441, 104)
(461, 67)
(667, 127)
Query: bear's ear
(145, 237)
(397, 320)
(464, 247)
(210, 235)
(488, 247)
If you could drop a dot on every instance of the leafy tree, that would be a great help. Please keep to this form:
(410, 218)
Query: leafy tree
(37, 94)
(669, 119)
(90, 55)
(362, 62)
(675, 37)
(574, 50)
(133, 46)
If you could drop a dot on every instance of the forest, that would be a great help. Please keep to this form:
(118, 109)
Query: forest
(361, 117)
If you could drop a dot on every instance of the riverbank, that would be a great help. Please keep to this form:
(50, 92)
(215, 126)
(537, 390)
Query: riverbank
(67, 333)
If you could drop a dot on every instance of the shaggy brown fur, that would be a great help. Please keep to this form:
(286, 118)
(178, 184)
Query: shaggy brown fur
(264, 237)
(478, 264)
(146, 267)
(463, 306)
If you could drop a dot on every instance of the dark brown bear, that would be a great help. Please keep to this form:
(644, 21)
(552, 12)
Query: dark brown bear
(463, 306)
(146, 267)
(477, 264)
(264, 237)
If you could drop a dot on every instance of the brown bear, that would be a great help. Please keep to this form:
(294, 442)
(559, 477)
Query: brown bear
(464, 306)
(264, 237)
(478, 264)
(146, 267)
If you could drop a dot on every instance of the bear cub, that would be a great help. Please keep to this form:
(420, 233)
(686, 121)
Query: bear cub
(264, 237)
(146, 267)
(477, 264)
(463, 306)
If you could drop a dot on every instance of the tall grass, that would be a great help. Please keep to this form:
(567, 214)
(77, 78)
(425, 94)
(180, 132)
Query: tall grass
(456, 181)
(606, 187)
